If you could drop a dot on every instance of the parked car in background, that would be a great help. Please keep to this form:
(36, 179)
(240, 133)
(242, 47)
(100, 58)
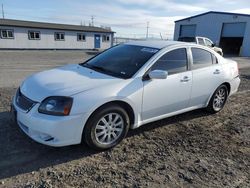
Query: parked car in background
(202, 41)
(127, 86)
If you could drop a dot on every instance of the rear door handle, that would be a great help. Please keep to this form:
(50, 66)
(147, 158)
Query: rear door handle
(217, 71)
(185, 79)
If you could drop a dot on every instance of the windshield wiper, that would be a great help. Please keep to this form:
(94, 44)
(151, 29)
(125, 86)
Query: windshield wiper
(102, 70)
(94, 67)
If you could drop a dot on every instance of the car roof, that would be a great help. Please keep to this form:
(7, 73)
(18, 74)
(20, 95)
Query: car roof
(155, 44)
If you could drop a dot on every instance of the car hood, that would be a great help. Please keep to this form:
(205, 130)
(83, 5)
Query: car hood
(64, 81)
(217, 49)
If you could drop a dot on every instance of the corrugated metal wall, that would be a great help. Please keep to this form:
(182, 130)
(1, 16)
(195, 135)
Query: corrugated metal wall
(210, 25)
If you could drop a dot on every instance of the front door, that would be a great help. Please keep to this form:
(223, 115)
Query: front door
(97, 41)
(163, 96)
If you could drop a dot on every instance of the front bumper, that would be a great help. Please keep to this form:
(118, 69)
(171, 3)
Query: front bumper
(49, 130)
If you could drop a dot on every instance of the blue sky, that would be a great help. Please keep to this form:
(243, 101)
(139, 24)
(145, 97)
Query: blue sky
(128, 18)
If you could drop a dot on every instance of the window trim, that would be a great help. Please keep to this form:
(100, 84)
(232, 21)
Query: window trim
(29, 37)
(60, 36)
(82, 34)
(217, 61)
(1, 35)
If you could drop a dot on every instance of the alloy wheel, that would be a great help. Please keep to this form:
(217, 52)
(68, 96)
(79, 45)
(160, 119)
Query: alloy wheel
(219, 99)
(109, 128)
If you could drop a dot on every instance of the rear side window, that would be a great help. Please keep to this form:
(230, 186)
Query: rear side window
(174, 61)
(201, 58)
(201, 41)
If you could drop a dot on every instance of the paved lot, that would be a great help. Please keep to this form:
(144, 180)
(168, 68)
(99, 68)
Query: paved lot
(195, 149)
(17, 65)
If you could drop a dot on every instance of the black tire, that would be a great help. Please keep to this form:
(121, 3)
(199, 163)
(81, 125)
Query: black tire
(211, 106)
(89, 133)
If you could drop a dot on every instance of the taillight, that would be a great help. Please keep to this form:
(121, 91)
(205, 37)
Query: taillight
(237, 71)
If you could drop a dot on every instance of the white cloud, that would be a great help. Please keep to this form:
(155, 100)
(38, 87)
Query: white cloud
(129, 17)
(165, 5)
(242, 11)
(125, 22)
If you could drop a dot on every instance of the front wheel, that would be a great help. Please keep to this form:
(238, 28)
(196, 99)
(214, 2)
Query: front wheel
(218, 100)
(106, 127)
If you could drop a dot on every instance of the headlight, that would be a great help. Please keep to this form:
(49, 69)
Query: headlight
(58, 106)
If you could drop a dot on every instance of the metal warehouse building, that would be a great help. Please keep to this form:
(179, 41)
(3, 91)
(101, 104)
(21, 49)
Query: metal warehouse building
(228, 30)
(17, 34)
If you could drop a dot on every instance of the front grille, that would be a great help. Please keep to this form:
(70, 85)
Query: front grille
(23, 102)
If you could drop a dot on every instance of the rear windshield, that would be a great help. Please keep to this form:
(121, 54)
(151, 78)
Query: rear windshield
(121, 61)
(187, 39)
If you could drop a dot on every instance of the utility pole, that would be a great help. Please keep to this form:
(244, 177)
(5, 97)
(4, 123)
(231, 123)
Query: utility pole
(161, 36)
(92, 20)
(147, 30)
(2, 11)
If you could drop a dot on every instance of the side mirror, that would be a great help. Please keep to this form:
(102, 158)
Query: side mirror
(213, 45)
(158, 74)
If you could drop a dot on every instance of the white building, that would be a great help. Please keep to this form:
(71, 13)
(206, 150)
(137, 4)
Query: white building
(16, 34)
(228, 30)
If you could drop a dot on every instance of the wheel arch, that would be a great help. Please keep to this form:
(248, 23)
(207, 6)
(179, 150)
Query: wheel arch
(127, 107)
(228, 87)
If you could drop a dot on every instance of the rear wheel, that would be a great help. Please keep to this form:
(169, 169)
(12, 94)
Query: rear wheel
(106, 127)
(218, 100)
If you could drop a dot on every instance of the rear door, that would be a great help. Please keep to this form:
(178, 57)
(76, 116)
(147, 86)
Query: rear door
(207, 76)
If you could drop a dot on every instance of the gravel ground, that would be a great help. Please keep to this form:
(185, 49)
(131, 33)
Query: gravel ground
(17, 65)
(195, 149)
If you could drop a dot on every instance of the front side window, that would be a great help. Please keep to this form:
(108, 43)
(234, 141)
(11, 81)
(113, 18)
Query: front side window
(201, 41)
(81, 37)
(59, 36)
(7, 34)
(174, 62)
(105, 38)
(121, 61)
(201, 58)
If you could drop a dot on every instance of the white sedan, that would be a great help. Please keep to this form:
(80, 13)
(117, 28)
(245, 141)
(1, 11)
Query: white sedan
(124, 87)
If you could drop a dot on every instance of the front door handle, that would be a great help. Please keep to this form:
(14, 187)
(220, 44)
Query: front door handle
(217, 71)
(185, 79)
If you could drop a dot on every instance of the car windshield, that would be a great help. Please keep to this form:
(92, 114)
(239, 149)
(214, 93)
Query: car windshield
(121, 61)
